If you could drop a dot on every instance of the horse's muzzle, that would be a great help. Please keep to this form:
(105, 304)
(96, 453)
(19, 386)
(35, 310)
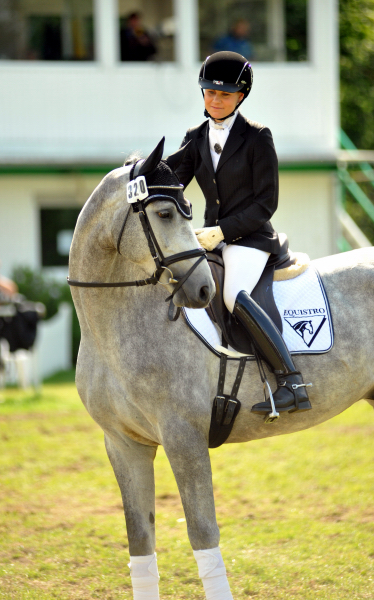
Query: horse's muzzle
(195, 295)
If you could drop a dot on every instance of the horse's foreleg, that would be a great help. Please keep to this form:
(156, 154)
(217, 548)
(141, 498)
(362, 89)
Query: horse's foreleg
(133, 467)
(188, 454)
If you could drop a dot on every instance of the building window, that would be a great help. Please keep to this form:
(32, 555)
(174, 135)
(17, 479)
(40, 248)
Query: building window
(46, 30)
(57, 226)
(146, 30)
(260, 30)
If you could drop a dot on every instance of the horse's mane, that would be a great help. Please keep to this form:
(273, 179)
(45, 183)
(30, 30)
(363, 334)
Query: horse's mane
(133, 158)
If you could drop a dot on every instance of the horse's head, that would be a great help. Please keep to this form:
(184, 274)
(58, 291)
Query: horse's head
(149, 233)
(165, 215)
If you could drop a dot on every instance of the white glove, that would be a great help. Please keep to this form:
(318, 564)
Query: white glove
(209, 237)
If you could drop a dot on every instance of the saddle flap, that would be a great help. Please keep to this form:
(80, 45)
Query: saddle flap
(232, 331)
(263, 295)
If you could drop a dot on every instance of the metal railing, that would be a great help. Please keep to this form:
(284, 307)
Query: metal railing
(349, 158)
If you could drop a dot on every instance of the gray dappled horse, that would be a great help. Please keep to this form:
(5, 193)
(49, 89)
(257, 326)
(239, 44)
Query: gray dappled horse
(149, 381)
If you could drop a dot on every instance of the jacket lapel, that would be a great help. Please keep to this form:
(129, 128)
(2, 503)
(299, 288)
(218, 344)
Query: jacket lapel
(204, 149)
(234, 141)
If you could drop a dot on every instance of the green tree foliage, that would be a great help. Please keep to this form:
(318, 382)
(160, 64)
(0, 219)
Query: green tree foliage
(357, 70)
(296, 29)
(38, 287)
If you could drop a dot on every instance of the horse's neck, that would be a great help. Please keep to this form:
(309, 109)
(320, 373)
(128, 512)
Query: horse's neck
(105, 309)
(113, 316)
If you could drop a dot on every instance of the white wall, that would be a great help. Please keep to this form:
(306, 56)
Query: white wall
(307, 212)
(21, 196)
(54, 343)
(82, 113)
(101, 111)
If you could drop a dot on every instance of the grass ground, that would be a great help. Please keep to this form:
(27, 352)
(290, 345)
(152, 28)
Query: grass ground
(296, 513)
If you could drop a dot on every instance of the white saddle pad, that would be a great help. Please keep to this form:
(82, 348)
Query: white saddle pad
(305, 312)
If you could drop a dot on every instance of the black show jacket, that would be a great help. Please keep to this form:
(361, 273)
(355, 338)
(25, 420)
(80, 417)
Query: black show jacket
(242, 195)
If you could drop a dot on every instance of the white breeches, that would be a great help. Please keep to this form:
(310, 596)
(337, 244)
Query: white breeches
(243, 269)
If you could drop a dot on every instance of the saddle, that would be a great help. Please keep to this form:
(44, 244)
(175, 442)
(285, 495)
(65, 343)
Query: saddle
(232, 332)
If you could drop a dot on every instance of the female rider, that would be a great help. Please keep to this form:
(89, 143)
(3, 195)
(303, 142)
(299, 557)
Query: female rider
(236, 166)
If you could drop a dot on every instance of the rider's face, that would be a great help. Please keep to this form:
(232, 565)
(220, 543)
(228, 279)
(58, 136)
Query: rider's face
(220, 104)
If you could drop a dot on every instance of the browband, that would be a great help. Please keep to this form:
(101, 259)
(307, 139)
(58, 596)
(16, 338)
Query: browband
(155, 197)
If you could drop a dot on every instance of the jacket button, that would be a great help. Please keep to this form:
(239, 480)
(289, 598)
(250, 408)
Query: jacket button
(217, 201)
(214, 180)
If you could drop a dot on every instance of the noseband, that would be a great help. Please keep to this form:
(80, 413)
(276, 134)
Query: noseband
(162, 263)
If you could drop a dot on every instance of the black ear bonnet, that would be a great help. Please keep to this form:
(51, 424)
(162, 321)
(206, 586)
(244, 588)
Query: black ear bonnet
(161, 181)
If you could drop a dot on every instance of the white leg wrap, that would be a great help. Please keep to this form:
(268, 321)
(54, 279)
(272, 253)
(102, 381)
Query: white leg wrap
(213, 574)
(144, 577)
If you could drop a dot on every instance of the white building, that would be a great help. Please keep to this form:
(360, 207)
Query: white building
(71, 109)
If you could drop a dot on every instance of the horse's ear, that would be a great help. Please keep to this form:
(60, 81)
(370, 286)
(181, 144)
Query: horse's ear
(175, 159)
(153, 159)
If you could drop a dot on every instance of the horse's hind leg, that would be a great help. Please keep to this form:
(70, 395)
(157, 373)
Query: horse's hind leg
(133, 467)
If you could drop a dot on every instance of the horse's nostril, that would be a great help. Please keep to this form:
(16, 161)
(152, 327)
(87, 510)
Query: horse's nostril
(204, 293)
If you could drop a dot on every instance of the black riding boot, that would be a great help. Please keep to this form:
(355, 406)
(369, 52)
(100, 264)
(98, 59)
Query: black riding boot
(291, 394)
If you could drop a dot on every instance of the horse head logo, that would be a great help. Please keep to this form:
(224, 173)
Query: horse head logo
(301, 327)
(308, 329)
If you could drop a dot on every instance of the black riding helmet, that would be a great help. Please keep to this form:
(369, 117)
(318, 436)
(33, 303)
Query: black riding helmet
(226, 71)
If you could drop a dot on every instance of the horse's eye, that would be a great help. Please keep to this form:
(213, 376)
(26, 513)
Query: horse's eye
(164, 214)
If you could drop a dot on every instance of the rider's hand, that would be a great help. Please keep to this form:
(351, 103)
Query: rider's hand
(209, 237)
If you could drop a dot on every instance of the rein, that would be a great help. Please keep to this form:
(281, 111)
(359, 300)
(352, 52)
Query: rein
(161, 262)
